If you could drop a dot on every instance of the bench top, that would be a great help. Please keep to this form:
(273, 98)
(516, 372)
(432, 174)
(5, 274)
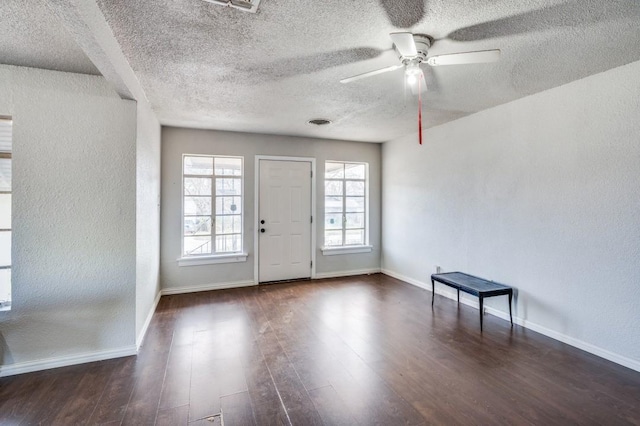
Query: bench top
(471, 284)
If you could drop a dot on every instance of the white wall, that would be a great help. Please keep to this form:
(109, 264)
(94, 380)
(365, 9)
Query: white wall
(74, 220)
(176, 141)
(147, 216)
(542, 194)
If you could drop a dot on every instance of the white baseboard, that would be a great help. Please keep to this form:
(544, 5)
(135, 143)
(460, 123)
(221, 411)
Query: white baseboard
(406, 279)
(64, 361)
(442, 290)
(147, 321)
(587, 347)
(577, 343)
(238, 284)
(337, 274)
(205, 287)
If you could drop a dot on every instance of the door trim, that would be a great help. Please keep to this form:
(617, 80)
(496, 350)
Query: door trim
(256, 214)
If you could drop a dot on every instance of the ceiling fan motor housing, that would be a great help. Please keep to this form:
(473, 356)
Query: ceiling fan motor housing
(423, 43)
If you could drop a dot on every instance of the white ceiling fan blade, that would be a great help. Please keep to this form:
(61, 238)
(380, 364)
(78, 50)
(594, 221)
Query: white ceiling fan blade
(405, 44)
(370, 73)
(480, 57)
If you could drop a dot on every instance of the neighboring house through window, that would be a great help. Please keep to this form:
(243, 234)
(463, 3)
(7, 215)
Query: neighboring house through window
(5, 212)
(212, 205)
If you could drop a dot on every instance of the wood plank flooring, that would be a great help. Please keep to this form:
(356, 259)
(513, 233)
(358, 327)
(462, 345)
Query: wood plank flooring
(352, 351)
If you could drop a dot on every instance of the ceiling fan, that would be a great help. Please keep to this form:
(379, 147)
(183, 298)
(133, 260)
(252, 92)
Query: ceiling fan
(412, 50)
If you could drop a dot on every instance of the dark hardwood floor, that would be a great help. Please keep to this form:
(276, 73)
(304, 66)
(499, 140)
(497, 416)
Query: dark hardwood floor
(362, 350)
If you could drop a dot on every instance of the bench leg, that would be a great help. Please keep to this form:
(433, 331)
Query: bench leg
(458, 295)
(510, 315)
(481, 311)
(433, 291)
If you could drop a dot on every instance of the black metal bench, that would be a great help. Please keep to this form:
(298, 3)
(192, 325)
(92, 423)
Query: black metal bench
(478, 287)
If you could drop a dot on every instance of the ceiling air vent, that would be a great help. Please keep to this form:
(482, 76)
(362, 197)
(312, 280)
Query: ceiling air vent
(243, 5)
(319, 121)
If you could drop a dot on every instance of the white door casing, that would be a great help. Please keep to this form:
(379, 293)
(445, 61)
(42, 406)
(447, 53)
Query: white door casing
(285, 201)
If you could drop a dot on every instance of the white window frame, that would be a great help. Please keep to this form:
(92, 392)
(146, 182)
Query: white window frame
(354, 248)
(212, 258)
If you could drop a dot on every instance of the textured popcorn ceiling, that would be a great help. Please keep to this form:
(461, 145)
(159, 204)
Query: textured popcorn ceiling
(31, 36)
(202, 65)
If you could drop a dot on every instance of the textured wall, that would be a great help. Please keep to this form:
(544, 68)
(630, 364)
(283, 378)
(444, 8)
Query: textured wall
(176, 141)
(542, 194)
(147, 213)
(74, 237)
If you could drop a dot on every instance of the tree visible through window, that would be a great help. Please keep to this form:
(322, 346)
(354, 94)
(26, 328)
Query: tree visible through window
(345, 204)
(5, 212)
(212, 205)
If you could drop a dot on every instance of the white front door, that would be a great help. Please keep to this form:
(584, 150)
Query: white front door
(284, 220)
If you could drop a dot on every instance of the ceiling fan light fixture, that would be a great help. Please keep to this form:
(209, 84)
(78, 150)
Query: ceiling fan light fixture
(412, 72)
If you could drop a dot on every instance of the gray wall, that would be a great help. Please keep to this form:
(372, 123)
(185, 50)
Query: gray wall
(176, 141)
(542, 194)
(74, 204)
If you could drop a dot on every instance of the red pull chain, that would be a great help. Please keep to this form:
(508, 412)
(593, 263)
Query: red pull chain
(419, 112)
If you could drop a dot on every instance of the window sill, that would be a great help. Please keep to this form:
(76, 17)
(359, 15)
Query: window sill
(332, 251)
(211, 260)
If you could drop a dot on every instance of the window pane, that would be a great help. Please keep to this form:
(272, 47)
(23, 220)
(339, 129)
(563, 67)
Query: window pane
(197, 225)
(5, 174)
(197, 186)
(333, 170)
(228, 166)
(5, 288)
(355, 187)
(5, 248)
(354, 171)
(197, 206)
(228, 224)
(332, 238)
(355, 204)
(198, 165)
(5, 211)
(333, 204)
(354, 236)
(228, 205)
(197, 245)
(333, 221)
(354, 220)
(228, 243)
(228, 186)
(333, 187)
(6, 135)
(200, 233)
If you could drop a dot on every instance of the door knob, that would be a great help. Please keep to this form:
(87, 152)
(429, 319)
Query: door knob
(262, 221)
(262, 230)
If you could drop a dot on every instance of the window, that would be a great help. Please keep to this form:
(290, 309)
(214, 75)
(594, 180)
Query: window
(345, 206)
(5, 213)
(212, 206)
